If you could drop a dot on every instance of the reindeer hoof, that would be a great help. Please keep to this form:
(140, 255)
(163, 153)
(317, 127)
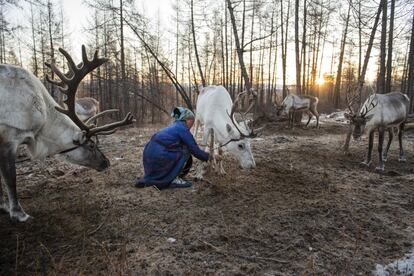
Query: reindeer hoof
(380, 168)
(366, 163)
(20, 216)
(402, 159)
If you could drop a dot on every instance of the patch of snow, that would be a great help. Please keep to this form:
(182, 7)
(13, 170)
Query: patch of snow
(171, 240)
(403, 266)
(118, 158)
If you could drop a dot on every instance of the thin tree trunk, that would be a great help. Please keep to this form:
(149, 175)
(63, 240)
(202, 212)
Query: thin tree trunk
(303, 56)
(337, 95)
(390, 42)
(239, 50)
(410, 74)
(381, 78)
(200, 70)
(35, 65)
(297, 53)
(52, 51)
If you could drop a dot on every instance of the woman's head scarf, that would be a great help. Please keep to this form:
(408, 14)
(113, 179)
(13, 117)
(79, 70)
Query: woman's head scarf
(181, 113)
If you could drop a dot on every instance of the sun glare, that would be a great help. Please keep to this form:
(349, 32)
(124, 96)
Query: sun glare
(320, 81)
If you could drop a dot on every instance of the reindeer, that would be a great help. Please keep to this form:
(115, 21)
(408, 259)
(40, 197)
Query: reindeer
(215, 111)
(380, 112)
(87, 109)
(29, 115)
(293, 103)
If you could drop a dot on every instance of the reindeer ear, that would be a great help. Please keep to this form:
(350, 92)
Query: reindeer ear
(79, 138)
(229, 128)
(369, 117)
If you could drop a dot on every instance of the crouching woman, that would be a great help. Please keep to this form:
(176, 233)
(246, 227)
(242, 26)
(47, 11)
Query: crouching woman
(167, 156)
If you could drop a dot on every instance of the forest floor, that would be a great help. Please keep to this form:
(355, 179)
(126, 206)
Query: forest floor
(306, 208)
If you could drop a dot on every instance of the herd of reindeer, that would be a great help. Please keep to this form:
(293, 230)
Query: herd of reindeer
(30, 116)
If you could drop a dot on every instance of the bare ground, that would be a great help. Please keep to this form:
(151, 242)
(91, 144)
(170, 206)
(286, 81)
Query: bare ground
(306, 208)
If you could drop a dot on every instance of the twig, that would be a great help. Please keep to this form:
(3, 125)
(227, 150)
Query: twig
(242, 256)
(97, 229)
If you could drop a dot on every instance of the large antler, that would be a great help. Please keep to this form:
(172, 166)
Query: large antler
(68, 85)
(350, 100)
(370, 106)
(235, 107)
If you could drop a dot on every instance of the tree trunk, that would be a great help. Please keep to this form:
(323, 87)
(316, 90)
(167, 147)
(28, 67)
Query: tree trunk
(298, 67)
(410, 74)
(35, 65)
(239, 50)
(303, 56)
(337, 95)
(124, 89)
(200, 70)
(381, 77)
(52, 51)
(390, 42)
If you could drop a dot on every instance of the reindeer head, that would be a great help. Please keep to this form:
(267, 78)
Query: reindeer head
(359, 120)
(84, 152)
(239, 144)
(280, 109)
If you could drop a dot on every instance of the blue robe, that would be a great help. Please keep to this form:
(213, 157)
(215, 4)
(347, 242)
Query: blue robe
(166, 154)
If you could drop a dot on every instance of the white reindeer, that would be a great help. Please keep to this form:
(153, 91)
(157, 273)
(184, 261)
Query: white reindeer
(380, 112)
(293, 103)
(215, 111)
(29, 115)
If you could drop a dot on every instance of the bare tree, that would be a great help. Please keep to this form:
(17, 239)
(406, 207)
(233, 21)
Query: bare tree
(200, 70)
(337, 95)
(382, 70)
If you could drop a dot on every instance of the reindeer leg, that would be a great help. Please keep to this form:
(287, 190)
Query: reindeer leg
(347, 139)
(390, 136)
(220, 152)
(201, 168)
(381, 132)
(3, 206)
(368, 161)
(292, 119)
(310, 117)
(314, 112)
(8, 170)
(213, 164)
(401, 158)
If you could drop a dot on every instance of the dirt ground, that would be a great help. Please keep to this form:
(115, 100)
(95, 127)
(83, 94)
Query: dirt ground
(306, 209)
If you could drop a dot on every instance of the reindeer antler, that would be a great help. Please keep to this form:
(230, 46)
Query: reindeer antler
(370, 106)
(69, 83)
(233, 109)
(350, 101)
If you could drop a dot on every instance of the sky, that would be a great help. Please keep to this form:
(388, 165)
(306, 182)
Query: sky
(77, 14)
(78, 18)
